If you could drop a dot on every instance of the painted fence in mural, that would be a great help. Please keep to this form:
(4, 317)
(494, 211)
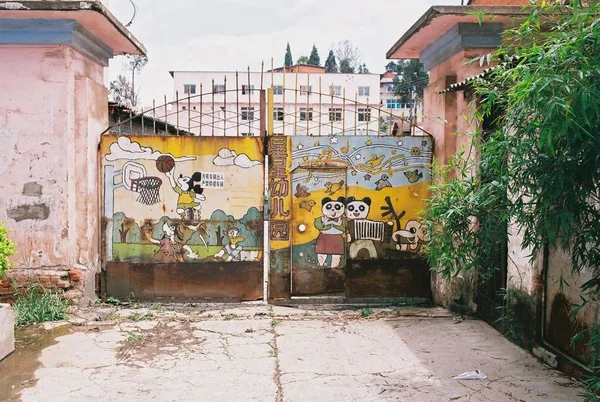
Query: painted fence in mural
(356, 197)
(183, 199)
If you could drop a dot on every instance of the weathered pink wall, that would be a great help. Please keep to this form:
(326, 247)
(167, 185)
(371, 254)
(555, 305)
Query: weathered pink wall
(53, 108)
(449, 118)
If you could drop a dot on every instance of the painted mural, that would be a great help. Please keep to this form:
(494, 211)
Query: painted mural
(357, 197)
(183, 199)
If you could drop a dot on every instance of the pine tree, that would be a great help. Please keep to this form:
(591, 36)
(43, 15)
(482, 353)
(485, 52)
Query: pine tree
(314, 58)
(346, 67)
(330, 63)
(289, 61)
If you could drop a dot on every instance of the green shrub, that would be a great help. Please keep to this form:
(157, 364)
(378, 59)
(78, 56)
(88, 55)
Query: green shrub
(7, 248)
(35, 304)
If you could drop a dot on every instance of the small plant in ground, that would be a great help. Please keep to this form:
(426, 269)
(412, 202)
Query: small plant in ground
(34, 305)
(365, 312)
(141, 317)
(112, 300)
(7, 248)
(133, 337)
(274, 323)
(273, 352)
(229, 317)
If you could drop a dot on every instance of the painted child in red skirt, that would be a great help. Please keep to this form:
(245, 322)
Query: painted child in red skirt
(332, 225)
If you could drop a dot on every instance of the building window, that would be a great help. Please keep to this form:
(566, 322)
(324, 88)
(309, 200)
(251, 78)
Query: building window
(247, 89)
(305, 89)
(306, 114)
(335, 90)
(389, 88)
(394, 104)
(189, 89)
(364, 91)
(218, 88)
(364, 114)
(335, 114)
(248, 113)
(278, 114)
(277, 90)
(247, 134)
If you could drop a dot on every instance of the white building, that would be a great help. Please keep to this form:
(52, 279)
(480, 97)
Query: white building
(305, 100)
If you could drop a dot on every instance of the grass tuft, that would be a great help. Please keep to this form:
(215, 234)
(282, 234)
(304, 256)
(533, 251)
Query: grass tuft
(35, 305)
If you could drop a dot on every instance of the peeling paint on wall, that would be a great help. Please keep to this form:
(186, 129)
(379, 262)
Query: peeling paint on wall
(34, 211)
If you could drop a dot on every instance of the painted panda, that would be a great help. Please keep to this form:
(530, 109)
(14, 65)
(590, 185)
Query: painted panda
(357, 209)
(331, 226)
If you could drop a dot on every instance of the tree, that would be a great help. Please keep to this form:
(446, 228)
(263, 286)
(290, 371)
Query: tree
(362, 69)
(7, 248)
(289, 61)
(538, 163)
(314, 58)
(122, 90)
(330, 63)
(346, 67)
(348, 56)
(303, 60)
(410, 77)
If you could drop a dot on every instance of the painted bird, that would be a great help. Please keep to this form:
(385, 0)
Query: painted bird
(375, 160)
(307, 204)
(302, 191)
(413, 176)
(332, 188)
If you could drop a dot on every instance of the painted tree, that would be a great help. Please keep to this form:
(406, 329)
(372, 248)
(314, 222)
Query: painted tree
(289, 61)
(314, 58)
(330, 64)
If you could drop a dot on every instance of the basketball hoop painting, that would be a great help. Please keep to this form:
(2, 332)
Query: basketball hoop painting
(181, 195)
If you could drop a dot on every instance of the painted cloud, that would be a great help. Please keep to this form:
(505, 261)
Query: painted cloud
(228, 157)
(124, 148)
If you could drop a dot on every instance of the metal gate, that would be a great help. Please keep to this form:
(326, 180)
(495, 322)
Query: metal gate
(190, 185)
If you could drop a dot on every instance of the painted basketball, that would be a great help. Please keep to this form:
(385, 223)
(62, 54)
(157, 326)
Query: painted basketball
(165, 163)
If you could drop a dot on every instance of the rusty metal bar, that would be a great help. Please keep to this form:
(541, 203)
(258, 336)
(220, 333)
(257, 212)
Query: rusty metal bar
(212, 108)
(378, 126)
(332, 111)
(142, 109)
(153, 116)
(249, 101)
(237, 103)
(320, 106)
(177, 109)
(296, 106)
(262, 68)
(368, 115)
(355, 111)
(166, 120)
(270, 109)
(189, 114)
(262, 123)
(308, 114)
(224, 105)
(130, 121)
(201, 110)
(344, 111)
(283, 102)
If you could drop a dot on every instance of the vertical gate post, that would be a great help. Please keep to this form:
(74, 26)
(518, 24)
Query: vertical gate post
(270, 110)
(263, 104)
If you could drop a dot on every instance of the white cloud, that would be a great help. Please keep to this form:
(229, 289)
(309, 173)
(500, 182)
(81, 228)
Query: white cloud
(124, 148)
(228, 157)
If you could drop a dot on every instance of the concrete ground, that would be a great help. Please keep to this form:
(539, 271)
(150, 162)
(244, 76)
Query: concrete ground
(270, 353)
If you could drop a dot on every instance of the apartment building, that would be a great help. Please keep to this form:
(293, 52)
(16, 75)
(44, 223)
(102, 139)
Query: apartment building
(305, 101)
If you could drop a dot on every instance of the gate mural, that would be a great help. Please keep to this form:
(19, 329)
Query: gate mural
(184, 200)
(185, 217)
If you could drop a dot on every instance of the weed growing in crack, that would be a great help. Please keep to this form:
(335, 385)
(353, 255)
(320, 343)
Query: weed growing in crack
(134, 337)
(140, 317)
(112, 300)
(35, 305)
(274, 323)
(273, 352)
(366, 312)
(306, 314)
(229, 317)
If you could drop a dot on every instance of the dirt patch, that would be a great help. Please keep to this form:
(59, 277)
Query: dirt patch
(18, 368)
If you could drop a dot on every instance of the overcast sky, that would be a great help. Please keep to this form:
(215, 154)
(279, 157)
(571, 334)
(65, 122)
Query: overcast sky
(233, 34)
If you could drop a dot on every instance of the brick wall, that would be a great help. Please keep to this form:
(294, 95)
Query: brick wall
(57, 279)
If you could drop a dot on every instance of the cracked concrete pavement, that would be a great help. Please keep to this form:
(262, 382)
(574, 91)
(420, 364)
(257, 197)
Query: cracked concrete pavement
(271, 353)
